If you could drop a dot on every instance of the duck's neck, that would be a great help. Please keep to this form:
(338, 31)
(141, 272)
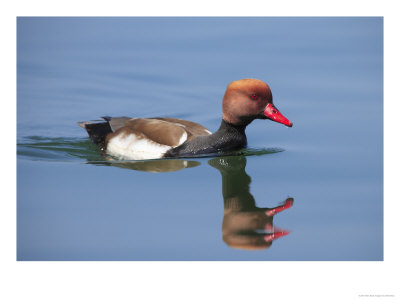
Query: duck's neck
(228, 137)
(231, 136)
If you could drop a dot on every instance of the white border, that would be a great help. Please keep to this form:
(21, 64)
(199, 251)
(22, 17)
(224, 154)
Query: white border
(198, 280)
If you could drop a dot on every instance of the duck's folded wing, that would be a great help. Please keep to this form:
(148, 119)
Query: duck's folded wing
(116, 123)
(194, 129)
(153, 130)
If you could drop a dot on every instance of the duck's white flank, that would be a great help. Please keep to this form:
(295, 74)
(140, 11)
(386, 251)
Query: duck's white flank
(137, 148)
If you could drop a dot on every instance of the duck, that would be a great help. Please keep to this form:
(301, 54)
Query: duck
(130, 138)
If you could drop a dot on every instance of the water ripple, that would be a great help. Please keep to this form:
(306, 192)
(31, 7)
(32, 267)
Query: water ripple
(38, 148)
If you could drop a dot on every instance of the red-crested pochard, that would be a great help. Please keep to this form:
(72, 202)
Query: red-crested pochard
(152, 138)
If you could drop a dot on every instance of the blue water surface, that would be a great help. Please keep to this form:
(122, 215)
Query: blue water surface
(326, 75)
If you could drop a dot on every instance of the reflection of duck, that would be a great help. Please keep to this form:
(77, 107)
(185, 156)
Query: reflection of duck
(242, 218)
(152, 166)
(133, 138)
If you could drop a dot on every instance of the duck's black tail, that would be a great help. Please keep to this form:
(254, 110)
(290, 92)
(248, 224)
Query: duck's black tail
(97, 130)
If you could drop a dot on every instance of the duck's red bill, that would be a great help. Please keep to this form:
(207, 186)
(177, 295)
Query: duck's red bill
(276, 235)
(272, 113)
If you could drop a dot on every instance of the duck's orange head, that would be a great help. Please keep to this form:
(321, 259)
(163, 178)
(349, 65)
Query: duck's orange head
(249, 99)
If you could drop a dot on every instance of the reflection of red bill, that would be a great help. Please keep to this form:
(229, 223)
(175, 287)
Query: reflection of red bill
(272, 113)
(276, 235)
(273, 211)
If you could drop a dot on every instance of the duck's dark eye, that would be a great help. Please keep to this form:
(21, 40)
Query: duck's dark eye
(254, 97)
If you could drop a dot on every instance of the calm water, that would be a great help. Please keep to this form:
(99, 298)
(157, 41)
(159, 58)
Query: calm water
(326, 75)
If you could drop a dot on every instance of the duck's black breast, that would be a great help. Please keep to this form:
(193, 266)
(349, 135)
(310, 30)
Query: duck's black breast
(228, 138)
